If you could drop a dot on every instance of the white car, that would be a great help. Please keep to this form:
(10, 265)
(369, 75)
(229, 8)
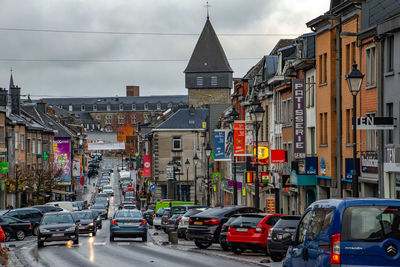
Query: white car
(184, 221)
(108, 189)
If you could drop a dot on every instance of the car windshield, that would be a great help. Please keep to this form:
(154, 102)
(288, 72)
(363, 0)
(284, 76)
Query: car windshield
(287, 222)
(74, 204)
(247, 221)
(57, 219)
(82, 215)
(130, 207)
(97, 207)
(160, 211)
(231, 219)
(371, 223)
(101, 200)
(107, 187)
(128, 214)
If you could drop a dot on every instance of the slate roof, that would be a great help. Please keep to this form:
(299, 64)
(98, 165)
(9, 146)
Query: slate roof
(281, 43)
(208, 55)
(187, 118)
(270, 67)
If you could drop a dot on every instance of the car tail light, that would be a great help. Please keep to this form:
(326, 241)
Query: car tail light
(335, 249)
(30, 226)
(154, 215)
(180, 219)
(115, 222)
(134, 202)
(260, 229)
(190, 221)
(170, 221)
(212, 222)
(142, 223)
(224, 227)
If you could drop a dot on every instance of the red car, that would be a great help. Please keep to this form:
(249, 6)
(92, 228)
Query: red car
(250, 231)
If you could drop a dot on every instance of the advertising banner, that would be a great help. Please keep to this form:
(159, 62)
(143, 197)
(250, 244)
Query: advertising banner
(147, 166)
(243, 138)
(263, 153)
(62, 159)
(106, 146)
(311, 165)
(369, 162)
(299, 119)
(221, 142)
(76, 166)
(278, 156)
(170, 172)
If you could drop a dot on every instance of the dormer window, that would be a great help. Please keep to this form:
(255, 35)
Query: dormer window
(169, 105)
(121, 107)
(108, 107)
(82, 107)
(94, 107)
(70, 107)
(199, 81)
(146, 106)
(214, 81)
(133, 106)
(158, 106)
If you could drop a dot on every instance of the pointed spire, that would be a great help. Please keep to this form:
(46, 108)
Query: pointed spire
(208, 14)
(12, 85)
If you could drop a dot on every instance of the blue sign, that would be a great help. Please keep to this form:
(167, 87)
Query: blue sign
(311, 165)
(152, 187)
(220, 145)
(349, 167)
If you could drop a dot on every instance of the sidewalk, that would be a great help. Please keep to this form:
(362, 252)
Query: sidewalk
(87, 194)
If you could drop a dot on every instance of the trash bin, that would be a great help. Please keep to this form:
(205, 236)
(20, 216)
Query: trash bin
(173, 236)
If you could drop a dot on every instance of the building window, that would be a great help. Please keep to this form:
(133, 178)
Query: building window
(199, 81)
(28, 146)
(371, 136)
(353, 54)
(389, 53)
(214, 81)
(70, 107)
(94, 107)
(39, 146)
(348, 126)
(133, 106)
(323, 68)
(158, 106)
(22, 137)
(311, 131)
(82, 107)
(33, 146)
(121, 119)
(98, 117)
(16, 140)
(323, 121)
(108, 107)
(2, 134)
(169, 105)
(146, 106)
(370, 68)
(348, 60)
(176, 143)
(389, 113)
(310, 92)
(121, 107)
(108, 119)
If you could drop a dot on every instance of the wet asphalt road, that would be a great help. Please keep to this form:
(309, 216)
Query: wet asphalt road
(99, 251)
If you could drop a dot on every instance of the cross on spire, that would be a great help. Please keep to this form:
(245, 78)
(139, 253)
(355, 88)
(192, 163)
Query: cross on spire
(207, 6)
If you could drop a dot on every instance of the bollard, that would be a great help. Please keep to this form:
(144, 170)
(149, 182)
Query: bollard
(173, 236)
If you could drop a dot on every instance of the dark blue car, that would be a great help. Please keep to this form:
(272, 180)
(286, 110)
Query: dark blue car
(128, 223)
(347, 232)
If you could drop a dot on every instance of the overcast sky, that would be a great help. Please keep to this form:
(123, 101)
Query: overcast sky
(84, 78)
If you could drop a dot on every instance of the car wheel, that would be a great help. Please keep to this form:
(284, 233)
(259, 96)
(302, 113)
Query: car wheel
(20, 235)
(111, 238)
(40, 244)
(165, 230)
(76, 241)
(237, 250)
(36, 230)
(225, 246)
(202, 244)
(7, 234)
(276, 257)
(144, 238)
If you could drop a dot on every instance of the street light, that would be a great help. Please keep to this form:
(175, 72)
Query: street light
(195, 162)
(187, 164)
(257, 113)
(233, 116)
(208, 154)
(354, 81)
(178, 165)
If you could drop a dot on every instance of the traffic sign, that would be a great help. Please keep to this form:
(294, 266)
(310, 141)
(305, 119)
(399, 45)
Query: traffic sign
(152, 187)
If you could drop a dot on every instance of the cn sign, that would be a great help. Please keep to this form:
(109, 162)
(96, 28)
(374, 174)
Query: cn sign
(299, 119)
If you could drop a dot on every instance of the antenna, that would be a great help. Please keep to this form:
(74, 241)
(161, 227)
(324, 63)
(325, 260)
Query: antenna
(207, 6)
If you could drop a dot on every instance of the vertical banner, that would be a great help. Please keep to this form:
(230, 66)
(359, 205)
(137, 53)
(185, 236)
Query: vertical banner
(243, 138)
(76, 166)
(146, 166)
(299, 119)
(220, 145)
(62, 159)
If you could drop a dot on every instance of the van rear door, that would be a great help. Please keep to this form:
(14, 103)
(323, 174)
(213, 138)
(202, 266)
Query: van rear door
(371, 236)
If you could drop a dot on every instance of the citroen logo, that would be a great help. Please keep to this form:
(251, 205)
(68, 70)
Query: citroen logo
(391, 250)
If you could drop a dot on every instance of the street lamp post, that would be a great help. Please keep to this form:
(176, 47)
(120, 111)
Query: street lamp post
(187, 164)
(208, 154)
(195, 162)
(234, 116)
(178, 165)
(257, 112)
(354, 81)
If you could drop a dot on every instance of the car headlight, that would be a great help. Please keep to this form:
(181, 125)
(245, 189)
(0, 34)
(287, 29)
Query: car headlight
(44, 231)
(72, 228)
(90, 224)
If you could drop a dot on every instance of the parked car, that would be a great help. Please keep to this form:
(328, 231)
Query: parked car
(224, 232)
(148, 215)
(280, 236)
(173, 221)
(57, 226)
(184, 221)
(182, 209)
(157, 218)
(128, 223)
(250, 231)
(15, 228)
(164, 219)
(205, 227)
(47, 208)
(87, 222)
(347, 232)
(31, 215)
(108, 190)
(103, 211)
(99, 222)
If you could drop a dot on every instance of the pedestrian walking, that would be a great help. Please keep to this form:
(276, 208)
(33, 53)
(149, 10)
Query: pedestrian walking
(3, 251)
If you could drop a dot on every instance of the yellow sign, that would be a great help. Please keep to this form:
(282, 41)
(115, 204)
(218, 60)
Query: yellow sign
(243, 191)
(215, 188)
(263, 152)
(204, 125)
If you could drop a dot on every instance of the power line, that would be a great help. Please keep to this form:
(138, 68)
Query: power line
(145, 33)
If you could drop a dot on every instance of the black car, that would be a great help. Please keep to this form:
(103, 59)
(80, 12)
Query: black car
(15, 228)
(205, 227)
(47, 208)
(164, 219)
(224, 232)
(99, 222)
(87, 222)
(31, 215)
(103, 211)
(58, 226)
(148, 215)
(280, 236)
(173, 221)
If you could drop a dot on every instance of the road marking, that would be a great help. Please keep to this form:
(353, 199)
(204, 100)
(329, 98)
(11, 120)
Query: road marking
(123, 244)
(99, 243)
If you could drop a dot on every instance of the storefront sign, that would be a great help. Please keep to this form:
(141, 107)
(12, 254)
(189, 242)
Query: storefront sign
(3, 166)
(243, 138)
(146, 166)
(369, 162)
(263, 153)
(3, 151)
(299, 119)
(221, 142)
(278, 156)
(375, 123)
(311, 165)
(62, 159)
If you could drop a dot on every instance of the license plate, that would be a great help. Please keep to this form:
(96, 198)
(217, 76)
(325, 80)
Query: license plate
(241, 229)
(198, 223)
(131, 224)
(82, 227)
(280, 237)
(58, 234)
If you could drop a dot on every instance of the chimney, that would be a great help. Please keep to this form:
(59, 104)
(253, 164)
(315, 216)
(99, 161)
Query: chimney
(41, 105)
(132, 90)
(3, 97)
(15, 93)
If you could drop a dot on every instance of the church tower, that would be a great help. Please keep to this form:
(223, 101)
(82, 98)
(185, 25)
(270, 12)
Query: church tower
(208, 76)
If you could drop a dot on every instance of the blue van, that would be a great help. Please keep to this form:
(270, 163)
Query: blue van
(347, 232)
